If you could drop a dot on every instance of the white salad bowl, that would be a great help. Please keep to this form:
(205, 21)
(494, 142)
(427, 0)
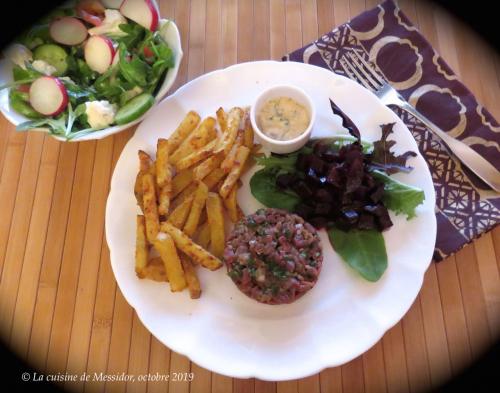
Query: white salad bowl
(168, 31)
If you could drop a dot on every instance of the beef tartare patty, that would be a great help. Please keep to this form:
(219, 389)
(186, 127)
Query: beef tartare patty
(273, 257)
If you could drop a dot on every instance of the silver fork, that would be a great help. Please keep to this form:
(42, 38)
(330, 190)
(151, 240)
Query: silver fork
(358, 69)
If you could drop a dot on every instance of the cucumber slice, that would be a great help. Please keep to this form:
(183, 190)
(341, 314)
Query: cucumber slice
(54, 55)
(19, 102)
(134, 109)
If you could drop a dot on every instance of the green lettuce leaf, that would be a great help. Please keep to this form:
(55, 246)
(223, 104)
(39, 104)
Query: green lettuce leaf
(264, 189)
(399, 197)
(285, 163)
(134, 70)
(363, 250)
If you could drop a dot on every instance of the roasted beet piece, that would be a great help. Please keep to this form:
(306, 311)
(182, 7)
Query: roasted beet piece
(314, 179)
(322, 195)
(383, 220)
(330, 156)
(354, 176)
(353, 152)
(303, 161)
(302, 189)
(317, 165)
(322, 209)
(377, 193)
(285, 180)
(368, 180)
(318, 222)
(366, 221)
(360, 193)
(334, 176)
(351, 216)
(376, 210)
(320, 147)
(304, 210)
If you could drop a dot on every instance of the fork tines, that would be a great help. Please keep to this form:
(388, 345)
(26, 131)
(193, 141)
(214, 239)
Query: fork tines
(357, 68)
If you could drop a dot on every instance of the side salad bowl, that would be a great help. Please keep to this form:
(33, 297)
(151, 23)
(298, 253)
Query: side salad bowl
(167, 30)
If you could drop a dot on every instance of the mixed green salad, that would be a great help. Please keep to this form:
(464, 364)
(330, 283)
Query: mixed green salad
(87, 66)
(344, 185)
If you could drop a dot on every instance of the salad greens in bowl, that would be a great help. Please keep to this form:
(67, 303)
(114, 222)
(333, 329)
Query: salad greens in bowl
(89, 69)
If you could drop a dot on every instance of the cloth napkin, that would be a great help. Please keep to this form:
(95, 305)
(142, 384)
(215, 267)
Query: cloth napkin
(384, 36)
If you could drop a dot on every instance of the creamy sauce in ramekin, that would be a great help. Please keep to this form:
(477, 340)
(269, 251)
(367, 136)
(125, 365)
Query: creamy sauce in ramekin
(283, 118)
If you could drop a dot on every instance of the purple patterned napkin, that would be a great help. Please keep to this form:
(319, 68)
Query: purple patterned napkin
(465, 207)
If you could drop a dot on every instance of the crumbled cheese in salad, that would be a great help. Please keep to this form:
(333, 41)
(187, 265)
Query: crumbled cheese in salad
(110, 25)
(43, 67)
(18, 54)
(100, 114)
(67, 79)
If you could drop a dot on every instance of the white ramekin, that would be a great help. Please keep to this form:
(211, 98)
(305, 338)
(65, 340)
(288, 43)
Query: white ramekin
(276, 146)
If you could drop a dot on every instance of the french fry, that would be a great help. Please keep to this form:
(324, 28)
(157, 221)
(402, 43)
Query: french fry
(231, 205)
(168, 253)
(186, 193)
(145, 163)
(164, 201)
(203, 237)
(190, 248)
(191, 277)
(207, 166)
(241, 156)
(155, 270)
(230, 157)
(138, 189)
(213, 178)
(203, 217)
(196, 156)
(200, 197)
(187, 125)
(141, 247)
(163, 173)
(222, 119)
(228, 138)
(150, 207)
(198, 138)
(181, 180)
(215, 215)
(248, 132)
(163, 176)
(180, 213)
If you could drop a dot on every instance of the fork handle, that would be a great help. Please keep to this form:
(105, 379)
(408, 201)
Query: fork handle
(469, 157)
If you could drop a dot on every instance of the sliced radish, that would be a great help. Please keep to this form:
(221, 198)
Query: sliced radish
(142, 12)
(91, 11)
(115, 4)
(99, 52)
(68, 31)
(48, 96)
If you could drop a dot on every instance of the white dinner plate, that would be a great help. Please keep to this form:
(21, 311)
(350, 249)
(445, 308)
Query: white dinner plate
(343, 315)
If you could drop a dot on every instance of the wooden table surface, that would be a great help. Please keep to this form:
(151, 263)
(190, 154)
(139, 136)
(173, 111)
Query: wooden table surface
(60, 307)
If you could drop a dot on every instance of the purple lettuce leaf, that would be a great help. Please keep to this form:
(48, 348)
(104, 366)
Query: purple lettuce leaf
(383, 159)
(346, 121)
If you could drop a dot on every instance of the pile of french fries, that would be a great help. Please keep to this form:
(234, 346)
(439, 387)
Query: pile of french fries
(183, 195)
